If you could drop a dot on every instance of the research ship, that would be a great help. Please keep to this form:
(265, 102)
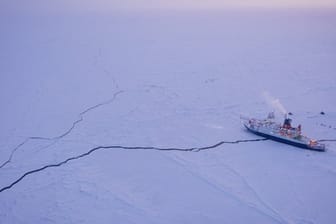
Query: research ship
(284, 133)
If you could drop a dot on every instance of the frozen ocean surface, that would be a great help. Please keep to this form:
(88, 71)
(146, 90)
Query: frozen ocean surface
(143, 82)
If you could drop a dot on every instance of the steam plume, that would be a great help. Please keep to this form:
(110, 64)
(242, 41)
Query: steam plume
(274, 103)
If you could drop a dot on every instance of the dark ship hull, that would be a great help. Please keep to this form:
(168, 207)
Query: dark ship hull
(282, 133)
(302, 145)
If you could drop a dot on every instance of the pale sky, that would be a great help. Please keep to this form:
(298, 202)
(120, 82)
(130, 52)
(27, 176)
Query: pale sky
(115, 5)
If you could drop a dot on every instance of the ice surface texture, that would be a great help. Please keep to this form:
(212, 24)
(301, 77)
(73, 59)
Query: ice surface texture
(174, 84)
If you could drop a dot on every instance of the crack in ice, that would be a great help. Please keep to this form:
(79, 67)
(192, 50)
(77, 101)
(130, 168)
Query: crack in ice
(327, 140)
(67, 132)
(275, 216)
(193, 149)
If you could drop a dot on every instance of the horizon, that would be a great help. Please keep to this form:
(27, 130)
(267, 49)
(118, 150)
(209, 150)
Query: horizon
(104, 6)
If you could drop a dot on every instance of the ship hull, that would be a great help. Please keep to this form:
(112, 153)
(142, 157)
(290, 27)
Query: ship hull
(284, 140)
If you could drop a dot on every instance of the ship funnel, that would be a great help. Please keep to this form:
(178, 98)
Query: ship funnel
(288, 122)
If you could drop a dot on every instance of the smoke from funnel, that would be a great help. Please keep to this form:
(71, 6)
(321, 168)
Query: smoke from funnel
(274, 103)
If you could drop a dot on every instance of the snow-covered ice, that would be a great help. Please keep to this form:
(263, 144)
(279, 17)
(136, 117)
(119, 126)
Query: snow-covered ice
(165, 80)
